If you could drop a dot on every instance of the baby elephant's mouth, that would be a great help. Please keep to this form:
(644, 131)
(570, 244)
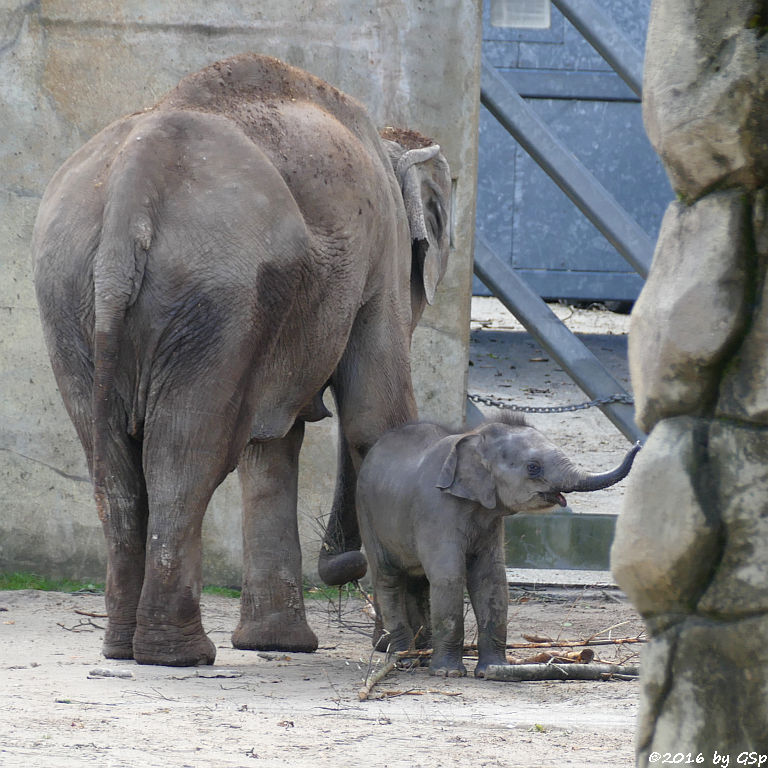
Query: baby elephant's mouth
(554, 499)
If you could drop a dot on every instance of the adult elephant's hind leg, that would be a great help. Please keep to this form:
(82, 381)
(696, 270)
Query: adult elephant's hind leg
(125, 525)
(183, 465)
(272, 614)
(121, 502)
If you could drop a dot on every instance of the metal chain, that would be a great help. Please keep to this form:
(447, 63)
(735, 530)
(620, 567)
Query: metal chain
(486, 400)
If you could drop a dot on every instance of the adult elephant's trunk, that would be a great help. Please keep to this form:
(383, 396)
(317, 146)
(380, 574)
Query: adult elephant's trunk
(340, 560)
(339, 568)
(595, 481)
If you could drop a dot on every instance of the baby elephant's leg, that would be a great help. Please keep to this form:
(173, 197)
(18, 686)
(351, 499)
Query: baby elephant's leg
(389, 592)
(446, 597)
(417, 607)
(489, 593)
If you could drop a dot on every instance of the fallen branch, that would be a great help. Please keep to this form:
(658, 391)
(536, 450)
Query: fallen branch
(533, 672)
(566, 643)
(377, 676)
(542, 666)
(393, 694)
(417, 692)
(92, 615)
(470, 650)
(84, 625)
(584, 656)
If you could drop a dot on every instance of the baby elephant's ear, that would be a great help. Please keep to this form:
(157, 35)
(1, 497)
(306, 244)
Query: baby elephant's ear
(466, 474)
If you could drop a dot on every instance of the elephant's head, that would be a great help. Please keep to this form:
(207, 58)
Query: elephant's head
(425, 182)
(509, 465)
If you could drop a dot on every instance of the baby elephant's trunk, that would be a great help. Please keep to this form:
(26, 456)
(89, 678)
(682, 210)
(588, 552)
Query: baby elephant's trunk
(596, 481)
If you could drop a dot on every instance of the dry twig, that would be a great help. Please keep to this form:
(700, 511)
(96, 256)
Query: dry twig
(84, 625)
(92, 615)
(417, 692)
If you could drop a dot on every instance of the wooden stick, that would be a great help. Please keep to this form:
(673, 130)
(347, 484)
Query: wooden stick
(568, 643)
(92, 615)
(589, 671)
(376, 677)
(418, 692)
(530, 672)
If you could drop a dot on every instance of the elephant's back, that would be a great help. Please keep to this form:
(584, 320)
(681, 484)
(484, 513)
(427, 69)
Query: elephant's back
(237, 86)
(321, 141)
(220, 207)
(392, 467)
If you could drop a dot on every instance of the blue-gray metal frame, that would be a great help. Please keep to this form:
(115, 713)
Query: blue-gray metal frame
(564, 346)
(586, 192)
(595, 202)
(607, 39)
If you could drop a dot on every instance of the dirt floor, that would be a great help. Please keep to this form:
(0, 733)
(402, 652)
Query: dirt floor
(269, 709)
(272, 709)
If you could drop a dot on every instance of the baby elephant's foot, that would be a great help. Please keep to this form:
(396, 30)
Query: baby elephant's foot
(442, 669)
(397, 640)
(483, 664)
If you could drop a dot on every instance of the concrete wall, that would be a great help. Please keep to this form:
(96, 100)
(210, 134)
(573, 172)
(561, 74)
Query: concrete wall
(67, 70)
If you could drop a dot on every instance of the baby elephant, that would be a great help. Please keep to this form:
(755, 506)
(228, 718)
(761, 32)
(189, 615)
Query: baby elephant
(431, 507)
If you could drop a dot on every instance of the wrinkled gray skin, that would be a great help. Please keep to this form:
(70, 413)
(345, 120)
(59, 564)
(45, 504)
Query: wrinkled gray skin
(204, 270)
(431, 506)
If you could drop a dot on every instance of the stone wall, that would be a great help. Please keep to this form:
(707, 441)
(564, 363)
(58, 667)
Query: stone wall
(68, 69)
(691, 546)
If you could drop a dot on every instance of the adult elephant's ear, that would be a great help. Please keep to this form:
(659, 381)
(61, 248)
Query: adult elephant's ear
(425, 253)
(425, 187)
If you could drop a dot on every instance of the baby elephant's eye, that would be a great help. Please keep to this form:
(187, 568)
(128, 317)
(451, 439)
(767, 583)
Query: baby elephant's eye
(534, 468)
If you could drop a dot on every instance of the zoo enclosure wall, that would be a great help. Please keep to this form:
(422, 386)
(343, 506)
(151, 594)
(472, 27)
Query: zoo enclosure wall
(71, 68)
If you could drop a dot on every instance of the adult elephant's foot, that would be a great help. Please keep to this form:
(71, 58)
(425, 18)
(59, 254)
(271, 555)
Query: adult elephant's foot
(173, 646)
(275, 634)
(118, 641)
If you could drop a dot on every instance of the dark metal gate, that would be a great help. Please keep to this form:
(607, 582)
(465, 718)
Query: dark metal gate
(578, 86)
(550, 226)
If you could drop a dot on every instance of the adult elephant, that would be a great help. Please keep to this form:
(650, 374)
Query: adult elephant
(204, 270)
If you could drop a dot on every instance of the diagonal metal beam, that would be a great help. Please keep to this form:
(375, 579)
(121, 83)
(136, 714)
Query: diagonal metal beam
(606, 38)
(564, 346)
(592, 199)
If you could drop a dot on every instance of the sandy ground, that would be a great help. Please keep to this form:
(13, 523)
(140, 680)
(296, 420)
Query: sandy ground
(269, 709)
(253, 709)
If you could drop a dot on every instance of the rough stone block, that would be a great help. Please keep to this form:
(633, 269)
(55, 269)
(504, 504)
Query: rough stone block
(655, 656)
(705, 103)
(715, 691)
(739, 460)
(666, 541)
(744, 390)
(691, 309)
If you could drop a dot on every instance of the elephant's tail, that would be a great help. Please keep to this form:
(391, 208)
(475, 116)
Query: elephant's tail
(118, 271)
